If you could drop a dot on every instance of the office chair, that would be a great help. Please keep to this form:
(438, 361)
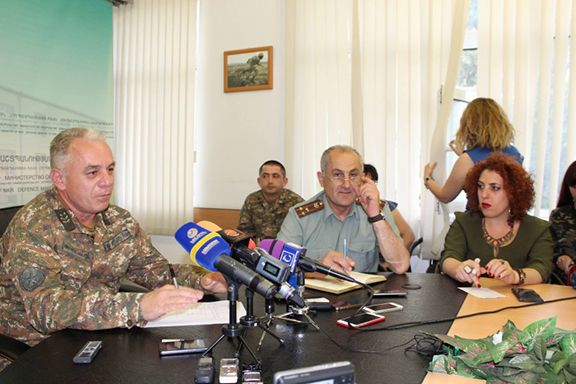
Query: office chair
(10, 348)
(6, 215)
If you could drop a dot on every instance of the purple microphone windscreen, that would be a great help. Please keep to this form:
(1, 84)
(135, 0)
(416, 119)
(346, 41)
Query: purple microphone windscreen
(288, 253)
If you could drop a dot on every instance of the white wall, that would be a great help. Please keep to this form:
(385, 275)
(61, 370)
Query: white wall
(236, 132)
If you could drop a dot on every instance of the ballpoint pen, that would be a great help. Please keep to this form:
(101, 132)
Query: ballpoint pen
(173, 276)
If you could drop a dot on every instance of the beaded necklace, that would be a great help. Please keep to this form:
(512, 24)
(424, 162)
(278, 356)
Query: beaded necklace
(497, 243)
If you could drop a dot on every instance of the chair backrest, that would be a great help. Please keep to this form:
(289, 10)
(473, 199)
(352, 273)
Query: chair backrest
(6, 215)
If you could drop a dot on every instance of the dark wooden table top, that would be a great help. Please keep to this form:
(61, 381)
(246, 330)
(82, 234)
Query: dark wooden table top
(131, 356)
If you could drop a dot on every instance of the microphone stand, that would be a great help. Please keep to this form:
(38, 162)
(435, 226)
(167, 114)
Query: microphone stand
(265, 323)
(233, 329)
(251, 321)
(297, 311)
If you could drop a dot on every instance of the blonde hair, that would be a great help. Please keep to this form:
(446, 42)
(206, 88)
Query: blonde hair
(484, 124)
(59, 156)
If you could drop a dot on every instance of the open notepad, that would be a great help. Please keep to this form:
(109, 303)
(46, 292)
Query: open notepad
(332, 285)
(216, 312)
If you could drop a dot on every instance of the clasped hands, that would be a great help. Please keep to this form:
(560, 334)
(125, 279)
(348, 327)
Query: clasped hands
(471, 270)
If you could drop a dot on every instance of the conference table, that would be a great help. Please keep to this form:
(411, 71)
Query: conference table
(484, 325)
(129, 356)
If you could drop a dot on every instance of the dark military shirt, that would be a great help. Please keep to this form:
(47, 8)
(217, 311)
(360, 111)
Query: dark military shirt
(262, 220)
(56, 274)
(563, 228)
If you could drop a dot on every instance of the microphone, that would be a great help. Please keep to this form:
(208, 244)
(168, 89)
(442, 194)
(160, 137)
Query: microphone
(293, 255)
(258, 260)
(210, 251)
(232, 236)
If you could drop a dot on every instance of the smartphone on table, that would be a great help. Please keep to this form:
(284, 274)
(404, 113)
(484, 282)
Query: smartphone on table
(169, 347)
(342, 305)
(527, 295)
(361, 320)
(383, 308)
(389, 293)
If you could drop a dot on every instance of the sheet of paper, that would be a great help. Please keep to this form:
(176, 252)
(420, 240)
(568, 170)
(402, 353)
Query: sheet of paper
(482, 293)
(216, 312)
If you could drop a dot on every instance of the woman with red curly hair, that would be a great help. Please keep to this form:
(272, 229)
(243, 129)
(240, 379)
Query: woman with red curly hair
(497, 237)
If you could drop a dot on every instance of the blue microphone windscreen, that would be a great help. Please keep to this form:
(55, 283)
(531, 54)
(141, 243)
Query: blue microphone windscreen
(189, 234)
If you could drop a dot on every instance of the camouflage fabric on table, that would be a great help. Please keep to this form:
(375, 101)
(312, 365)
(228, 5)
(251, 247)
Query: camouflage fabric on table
(563, 228)
(56, 274)
(262, 220)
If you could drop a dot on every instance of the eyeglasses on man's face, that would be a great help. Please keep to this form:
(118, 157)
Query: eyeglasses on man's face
(338, 179)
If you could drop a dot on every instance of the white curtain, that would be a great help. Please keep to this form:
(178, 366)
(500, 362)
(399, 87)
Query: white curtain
(367, 73)
(525, 58)
(318, 85)
(154, 68)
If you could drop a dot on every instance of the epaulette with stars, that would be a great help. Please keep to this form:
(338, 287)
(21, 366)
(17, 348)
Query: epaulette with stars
(309, 208)
(382, 203)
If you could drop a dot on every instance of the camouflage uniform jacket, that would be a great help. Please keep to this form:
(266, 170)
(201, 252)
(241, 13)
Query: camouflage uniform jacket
(262, 220)
(563, 228)
(54, 275)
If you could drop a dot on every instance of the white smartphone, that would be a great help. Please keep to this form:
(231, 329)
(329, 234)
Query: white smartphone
(361, 320)
(383, 308)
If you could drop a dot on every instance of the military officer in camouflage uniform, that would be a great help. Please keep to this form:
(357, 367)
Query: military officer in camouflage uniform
(264, 211)
(348, 208)
(65, 253)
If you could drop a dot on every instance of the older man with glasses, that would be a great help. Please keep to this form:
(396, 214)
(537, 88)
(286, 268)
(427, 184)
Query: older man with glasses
(348, 210)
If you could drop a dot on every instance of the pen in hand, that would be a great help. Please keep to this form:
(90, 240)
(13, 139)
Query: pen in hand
(173, 276)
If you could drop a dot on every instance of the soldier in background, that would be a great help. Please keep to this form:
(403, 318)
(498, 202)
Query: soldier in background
(264, 211)
(66, 252)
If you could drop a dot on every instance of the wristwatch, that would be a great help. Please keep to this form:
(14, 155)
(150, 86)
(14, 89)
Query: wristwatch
(426, 180)
(521, 274)
(376, 218)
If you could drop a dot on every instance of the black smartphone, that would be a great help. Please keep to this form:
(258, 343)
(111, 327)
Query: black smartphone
(169, 347)
(389, 292)
(527, 295)
(318, 303)
(342, 305)
(361, 320)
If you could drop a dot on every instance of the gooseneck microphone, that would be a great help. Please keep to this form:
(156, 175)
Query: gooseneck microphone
(293, 255)
(210, 251)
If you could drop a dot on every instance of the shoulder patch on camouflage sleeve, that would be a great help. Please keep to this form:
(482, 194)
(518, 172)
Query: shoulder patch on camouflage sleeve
(309, 208)
(65, 219)
(31, 279)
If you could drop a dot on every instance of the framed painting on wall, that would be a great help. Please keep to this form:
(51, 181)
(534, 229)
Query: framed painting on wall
(248, 69)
